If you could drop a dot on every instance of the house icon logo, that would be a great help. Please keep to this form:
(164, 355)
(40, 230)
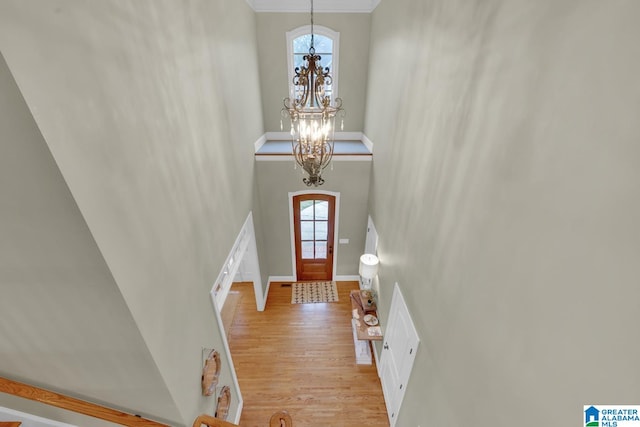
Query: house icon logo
(591, 417)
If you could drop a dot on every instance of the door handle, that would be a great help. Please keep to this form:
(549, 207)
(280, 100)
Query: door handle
(386, 346)
(330, 249)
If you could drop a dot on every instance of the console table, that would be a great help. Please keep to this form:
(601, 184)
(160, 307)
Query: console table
(363, 334)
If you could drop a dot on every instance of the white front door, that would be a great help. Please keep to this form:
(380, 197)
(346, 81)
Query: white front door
(398, 353)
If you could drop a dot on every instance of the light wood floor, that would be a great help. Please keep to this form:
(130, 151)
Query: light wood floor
(300, 358)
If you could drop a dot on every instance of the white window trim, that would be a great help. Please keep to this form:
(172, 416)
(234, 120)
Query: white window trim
(323, 31)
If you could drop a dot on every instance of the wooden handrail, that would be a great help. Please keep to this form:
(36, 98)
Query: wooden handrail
(72, 404)
(210, 421)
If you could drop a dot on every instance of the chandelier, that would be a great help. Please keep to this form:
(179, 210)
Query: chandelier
(312, 116)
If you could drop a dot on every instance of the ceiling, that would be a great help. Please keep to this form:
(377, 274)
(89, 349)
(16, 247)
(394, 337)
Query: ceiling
(322, 6)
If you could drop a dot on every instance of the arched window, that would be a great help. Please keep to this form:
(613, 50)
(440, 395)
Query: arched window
(326, 43)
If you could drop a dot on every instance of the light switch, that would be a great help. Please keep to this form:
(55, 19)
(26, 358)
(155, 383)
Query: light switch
(344, 241)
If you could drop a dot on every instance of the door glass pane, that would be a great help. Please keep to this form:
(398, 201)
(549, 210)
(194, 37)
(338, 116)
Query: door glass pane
(306, 230)
(307, 250)
(314, 229)
(322, 209)
(321, 250)
(321, 230)
(306, 209)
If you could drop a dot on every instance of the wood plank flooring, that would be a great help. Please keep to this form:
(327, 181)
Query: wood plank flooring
(300, 358)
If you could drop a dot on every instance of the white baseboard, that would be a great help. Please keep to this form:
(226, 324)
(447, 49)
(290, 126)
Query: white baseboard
(289, 158)
(263, 303)
(347, 136)
(339, 278)
(278, 136)
(367, 142)
(239, 412)
(337, 136)
(347, 278)
(275, 279)
(260, 142)
(281, 279)
(375, 356)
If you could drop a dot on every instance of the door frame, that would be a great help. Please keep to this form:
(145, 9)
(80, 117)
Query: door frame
(335, 228)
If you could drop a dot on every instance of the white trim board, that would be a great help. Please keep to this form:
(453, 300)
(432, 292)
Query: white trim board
(340, 278)
(337, 136)
(347, 278)
(335, 158)
(319, 6)
(365, 140)
(281, 279)
(260, 142)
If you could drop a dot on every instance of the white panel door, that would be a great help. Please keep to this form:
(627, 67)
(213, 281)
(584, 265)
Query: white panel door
(398, 353)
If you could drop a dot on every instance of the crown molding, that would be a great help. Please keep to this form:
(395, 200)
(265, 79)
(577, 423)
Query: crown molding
(320, 6)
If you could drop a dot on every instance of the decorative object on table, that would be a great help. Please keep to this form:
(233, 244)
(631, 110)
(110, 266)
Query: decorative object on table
(368, 301)
(367, 298)
(374, 331)
(368, 269)
(281, 419)
(224, 401)
(313, 292)
(370, 320)
(210, 372)
(312, 116)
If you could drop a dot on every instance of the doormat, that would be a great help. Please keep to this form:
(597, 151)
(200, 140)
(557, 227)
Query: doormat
(313, 292)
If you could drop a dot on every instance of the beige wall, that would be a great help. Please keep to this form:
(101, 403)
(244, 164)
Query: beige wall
(144, 111)
(505, 193)
(354, 56)
(65, 324)
(277, 178)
